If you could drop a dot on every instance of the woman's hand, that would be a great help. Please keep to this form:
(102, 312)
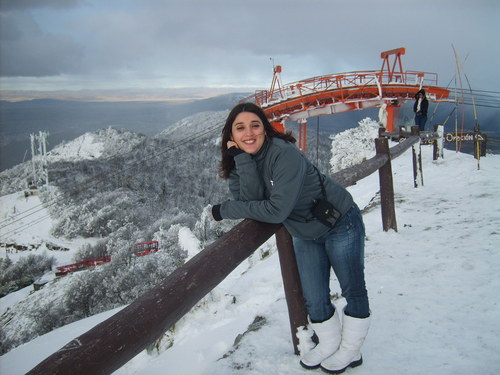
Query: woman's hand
(233, 149)
(216, 212)
(231, 144)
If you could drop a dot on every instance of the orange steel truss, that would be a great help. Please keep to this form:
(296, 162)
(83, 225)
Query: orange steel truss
(337, 93)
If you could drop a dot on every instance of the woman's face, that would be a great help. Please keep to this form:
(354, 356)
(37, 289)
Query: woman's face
(248, 132)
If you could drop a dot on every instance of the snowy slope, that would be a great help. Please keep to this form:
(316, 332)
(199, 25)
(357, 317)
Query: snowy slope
(32, 229)
(93, 145)
(433, 289)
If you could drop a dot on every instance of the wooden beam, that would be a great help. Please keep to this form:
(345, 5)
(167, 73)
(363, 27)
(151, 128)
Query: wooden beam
(112, 343)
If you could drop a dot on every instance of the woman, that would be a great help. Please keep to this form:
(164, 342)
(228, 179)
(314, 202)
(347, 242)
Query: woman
(272, 181)
(420, 108)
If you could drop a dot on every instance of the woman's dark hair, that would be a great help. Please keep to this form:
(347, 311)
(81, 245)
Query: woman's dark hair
(227, 162)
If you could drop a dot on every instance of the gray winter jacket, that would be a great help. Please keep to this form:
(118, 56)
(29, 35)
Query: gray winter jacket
(279, 185)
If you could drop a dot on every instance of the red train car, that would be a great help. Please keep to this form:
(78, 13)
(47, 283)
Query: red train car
(145, 248)
(81, 265)
(139, 249)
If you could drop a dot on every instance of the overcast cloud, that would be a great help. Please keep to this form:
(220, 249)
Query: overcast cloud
(89, 44)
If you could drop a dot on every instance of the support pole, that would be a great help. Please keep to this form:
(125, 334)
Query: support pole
(418, 178)
(437, 150)
(415, 166)
(291, 281)
(303, 135)
(392, 116)
(279, 126)
(477, 145)
(386, 187)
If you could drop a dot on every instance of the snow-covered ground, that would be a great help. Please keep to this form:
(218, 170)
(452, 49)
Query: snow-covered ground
(26, 222)
(102, 143)
(433, 288)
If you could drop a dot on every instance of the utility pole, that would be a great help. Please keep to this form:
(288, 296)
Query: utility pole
(39, 158)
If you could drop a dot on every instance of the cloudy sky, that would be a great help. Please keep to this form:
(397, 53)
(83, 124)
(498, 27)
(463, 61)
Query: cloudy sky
(143, 44)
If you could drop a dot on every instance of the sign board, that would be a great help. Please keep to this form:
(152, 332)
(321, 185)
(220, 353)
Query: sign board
(429, 137)
(463, 137)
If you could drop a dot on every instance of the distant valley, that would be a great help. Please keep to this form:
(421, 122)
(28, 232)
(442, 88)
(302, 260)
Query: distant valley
(66, 120)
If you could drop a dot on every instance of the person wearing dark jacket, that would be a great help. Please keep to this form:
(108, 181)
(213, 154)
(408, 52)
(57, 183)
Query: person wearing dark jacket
(272, 181)
(420, 108)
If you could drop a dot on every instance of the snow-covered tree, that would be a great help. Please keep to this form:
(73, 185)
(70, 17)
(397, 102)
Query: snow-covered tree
(360, 139)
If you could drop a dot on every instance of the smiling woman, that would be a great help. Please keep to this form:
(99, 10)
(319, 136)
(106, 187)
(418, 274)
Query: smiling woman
(272, 181)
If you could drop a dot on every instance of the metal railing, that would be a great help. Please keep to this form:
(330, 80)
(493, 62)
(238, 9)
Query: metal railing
(346, 85)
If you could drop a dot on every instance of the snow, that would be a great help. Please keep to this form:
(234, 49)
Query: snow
(433, 288)
(15, 297)
(95, 145)
(87, 147)
(21, 361)
(32, 229)
(188, 242)
(32, 211)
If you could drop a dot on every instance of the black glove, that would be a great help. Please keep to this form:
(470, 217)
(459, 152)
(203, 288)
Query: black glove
(234, 151)
(216, 212)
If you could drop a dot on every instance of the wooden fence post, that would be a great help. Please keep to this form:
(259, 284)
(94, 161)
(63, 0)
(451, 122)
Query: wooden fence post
(437, 150)
(417, 159)
(291, 282)
(386, 187)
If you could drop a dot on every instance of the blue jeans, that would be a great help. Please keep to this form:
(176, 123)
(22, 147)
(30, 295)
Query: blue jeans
(420, 122)
(341, 248)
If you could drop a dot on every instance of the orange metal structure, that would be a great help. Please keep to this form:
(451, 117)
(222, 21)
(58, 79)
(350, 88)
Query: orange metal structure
(390, 87)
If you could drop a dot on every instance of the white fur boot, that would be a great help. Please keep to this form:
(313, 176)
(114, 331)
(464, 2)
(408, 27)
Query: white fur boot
(328, 333)
(354, 331)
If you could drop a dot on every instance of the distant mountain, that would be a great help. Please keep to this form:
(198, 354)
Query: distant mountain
(66, 120)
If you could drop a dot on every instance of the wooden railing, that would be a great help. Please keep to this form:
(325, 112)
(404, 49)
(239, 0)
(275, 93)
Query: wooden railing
(113, 342)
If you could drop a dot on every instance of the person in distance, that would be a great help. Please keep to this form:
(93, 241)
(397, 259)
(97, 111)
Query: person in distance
(420, 108)
(272, 181)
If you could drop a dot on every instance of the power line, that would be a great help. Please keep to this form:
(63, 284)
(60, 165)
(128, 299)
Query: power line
(483, 98)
